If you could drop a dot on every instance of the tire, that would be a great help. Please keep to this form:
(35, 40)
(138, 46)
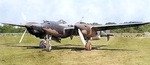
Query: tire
(88, 46)
(42, 44)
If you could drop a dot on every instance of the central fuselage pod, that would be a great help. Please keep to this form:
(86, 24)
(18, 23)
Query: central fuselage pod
(57, 29)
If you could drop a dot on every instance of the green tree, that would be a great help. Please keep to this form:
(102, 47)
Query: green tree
(0, 29)
(138, 29)
(110, 23)
(94, 23)
(10, 29)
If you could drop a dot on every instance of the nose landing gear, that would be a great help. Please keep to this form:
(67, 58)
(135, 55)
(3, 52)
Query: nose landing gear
(47, 43)
(42, 44)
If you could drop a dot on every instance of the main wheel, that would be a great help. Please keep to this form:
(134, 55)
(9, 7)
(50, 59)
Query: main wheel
(88, 46)
(42, 44)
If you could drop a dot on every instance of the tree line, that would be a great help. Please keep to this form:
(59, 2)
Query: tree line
(138, 29)
(11, 29)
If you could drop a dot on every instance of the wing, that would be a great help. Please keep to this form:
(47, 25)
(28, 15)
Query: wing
(110, 27)
(14, 24)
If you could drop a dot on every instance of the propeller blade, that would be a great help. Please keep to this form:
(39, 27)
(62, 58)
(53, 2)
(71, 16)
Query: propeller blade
(81, 36)
(22, 36)
(24, 17)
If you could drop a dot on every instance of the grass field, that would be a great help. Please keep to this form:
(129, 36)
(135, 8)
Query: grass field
(117, 51)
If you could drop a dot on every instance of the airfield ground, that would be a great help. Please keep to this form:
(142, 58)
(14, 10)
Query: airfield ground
(117, 51)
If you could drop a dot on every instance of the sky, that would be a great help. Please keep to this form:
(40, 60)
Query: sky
(71, 11)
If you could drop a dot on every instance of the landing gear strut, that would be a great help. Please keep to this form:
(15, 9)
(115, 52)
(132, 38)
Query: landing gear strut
(88, 46)
(48, 43)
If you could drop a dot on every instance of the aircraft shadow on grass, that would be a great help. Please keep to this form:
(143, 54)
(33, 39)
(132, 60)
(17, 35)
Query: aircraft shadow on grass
(73, 47)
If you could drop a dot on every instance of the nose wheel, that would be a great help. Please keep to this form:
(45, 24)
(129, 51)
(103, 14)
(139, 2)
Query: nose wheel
(42, 44)
(47, 43)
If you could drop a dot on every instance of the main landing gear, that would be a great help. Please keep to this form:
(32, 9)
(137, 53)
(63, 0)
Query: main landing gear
(42, 44)
(85, 40)
(47, 43)
(88, 46)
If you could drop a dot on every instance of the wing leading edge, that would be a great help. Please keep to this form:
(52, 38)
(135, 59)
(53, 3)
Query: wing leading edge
(110, 27)
(14, 24)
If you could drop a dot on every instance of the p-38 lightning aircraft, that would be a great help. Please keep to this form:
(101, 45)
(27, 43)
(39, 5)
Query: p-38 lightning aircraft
(56, 30)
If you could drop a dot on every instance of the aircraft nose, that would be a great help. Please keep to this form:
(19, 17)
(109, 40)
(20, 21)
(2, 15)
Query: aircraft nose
(37, 28)
(46, 25)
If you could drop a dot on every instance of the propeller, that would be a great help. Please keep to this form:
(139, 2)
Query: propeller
(24, 18)
(81, 36)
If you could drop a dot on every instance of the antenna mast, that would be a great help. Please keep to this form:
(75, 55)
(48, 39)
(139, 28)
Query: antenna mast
(83, 15)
